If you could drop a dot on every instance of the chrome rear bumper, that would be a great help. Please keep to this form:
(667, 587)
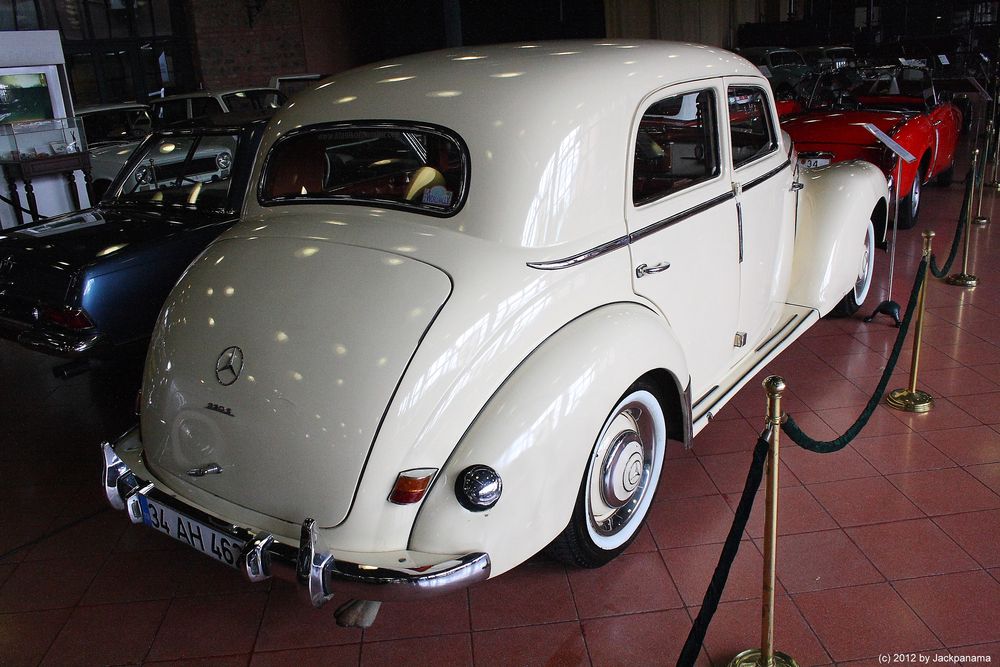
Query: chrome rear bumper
(64, 343)
(318, 571)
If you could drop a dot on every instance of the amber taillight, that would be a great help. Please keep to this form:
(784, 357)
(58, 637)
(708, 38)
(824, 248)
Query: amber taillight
(411, 485)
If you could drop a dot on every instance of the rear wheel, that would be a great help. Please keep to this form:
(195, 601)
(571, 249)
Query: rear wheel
(618, 486)
(909, 207)
(866, 263)
(947, 176)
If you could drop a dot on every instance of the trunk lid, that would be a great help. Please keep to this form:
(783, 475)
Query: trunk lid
(840, 127)
(275, 359)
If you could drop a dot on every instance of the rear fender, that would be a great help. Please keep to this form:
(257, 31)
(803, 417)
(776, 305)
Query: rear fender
(538, 429)
(831, 228)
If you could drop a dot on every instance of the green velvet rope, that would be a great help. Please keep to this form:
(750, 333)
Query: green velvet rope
(792, 429)
(709, 604)
(971, 181)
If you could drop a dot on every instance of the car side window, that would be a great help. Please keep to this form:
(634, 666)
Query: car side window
(170, 111)
(204, 106)
(676, 147)
(750, 126)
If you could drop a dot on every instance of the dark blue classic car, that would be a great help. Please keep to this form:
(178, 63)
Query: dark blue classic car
(86, 284)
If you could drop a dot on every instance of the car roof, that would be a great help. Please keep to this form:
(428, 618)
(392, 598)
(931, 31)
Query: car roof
(218, 122)
(536, 118)
(764, 50)
(97, 108)
(215, 93)
(457, 86)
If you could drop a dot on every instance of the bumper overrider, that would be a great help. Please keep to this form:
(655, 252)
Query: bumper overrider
(319, 572)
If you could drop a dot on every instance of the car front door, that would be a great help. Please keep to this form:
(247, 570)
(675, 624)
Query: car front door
(947, 122)
(681, 216)
(765, 207)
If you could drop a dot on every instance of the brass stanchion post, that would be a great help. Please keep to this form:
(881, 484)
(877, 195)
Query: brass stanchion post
(986, 157)
(965, 279)
(766, 656)
(990, 122)
(980, 219)
(911, 399)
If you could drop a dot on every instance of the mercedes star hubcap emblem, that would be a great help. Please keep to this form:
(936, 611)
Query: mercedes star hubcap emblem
(229, 366)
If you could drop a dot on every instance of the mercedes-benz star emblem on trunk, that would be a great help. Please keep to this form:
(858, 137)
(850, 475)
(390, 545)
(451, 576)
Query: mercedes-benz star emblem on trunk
(229, 366)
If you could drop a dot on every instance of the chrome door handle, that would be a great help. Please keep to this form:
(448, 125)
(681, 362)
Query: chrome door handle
(936, 122)
(645, 269)
(210, 469)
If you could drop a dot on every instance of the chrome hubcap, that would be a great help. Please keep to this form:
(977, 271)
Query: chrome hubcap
(621, 470)
(915, 195)
(864, 270)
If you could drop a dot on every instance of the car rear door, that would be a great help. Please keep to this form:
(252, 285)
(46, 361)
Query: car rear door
(681, 216)
(765, 208)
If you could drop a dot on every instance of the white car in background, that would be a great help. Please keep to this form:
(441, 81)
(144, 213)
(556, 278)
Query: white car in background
(471, 296)
(175, 109)
(113, 133)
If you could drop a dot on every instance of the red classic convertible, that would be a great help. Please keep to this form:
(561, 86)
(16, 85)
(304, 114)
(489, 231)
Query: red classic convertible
(900, 101)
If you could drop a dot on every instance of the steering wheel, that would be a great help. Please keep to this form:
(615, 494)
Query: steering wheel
(845, 102)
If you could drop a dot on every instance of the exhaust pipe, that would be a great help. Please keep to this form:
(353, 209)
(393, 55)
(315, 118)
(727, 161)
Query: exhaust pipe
(71, 369)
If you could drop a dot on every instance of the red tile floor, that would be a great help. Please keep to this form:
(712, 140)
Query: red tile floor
(889, 547)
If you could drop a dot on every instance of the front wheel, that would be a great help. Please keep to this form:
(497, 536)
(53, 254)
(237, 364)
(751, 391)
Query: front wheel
(909, 207)
(866, 263)
(620, 480)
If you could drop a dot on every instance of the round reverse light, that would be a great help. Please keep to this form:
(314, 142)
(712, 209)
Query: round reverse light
(478, 488)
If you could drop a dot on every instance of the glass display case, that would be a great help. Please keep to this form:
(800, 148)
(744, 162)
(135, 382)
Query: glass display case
(40, 139)
(36, 148)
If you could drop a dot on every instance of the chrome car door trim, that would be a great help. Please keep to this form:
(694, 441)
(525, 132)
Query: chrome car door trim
(580, 257)
(622, 241)
(763, 177)
(683, 215)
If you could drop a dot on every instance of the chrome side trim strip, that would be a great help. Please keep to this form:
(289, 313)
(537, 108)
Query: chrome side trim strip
(777, 333)
(703, 397)
(623, 241)
(763, 177)
(573, 260)
(717, 393)
(683, 215)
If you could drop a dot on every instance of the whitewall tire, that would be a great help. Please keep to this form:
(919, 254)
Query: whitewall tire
(620, 481)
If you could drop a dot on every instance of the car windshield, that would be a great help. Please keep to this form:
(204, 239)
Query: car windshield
(840, 57)
(780, 58)
(254, 100)
(903, 81)
(188, 170)
(423, 169)
(825, 89)
(115, 125)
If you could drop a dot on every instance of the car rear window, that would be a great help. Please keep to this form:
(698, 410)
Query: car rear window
(676, 147)
(420, 168)
(750, 128)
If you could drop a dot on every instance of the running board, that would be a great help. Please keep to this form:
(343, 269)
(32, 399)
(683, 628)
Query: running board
(795, 320)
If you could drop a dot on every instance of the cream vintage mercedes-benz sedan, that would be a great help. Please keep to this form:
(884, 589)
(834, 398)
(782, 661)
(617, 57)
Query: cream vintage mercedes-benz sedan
(471, 295)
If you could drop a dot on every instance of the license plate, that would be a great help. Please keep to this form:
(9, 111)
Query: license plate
(220, 546)
(810, 162)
